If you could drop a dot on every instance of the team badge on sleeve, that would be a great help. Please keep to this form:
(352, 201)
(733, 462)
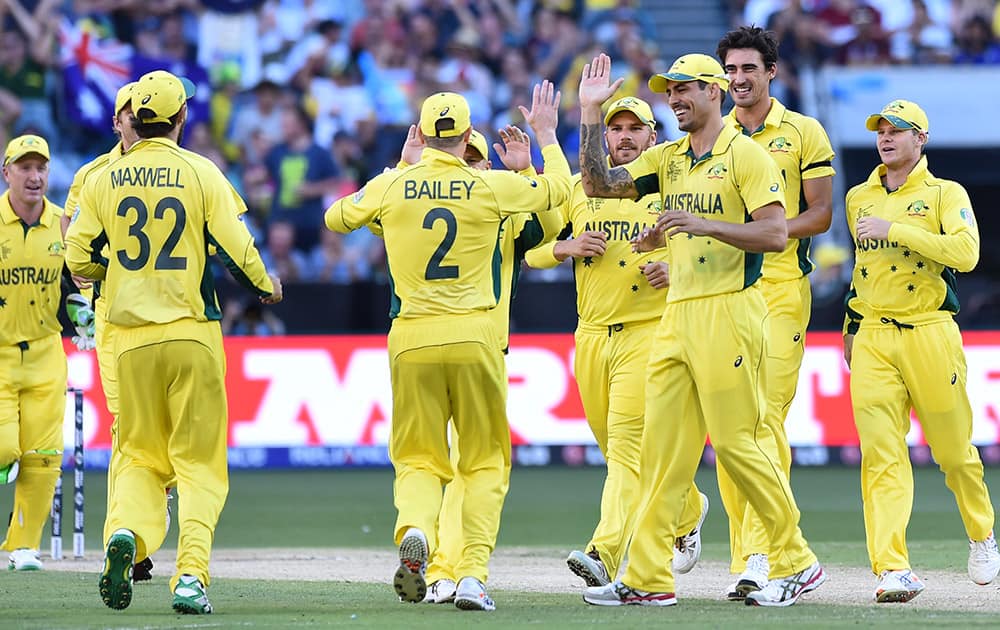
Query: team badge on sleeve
(76, 215)
(968, 217)
(356, 198)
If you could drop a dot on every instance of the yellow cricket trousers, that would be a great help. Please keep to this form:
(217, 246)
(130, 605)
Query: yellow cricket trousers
(32, 408)
(462, 377)
(172, 424)
(892, 369)
(789, 305)
(610, 368)
(706, 378)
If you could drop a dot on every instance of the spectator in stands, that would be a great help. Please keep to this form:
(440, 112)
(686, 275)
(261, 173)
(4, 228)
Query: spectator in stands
(317, 53)
(281, 256)
(976, 43)
(302, 173)
(22, 73)
(257, 125)
(228, 30)
(247, 318)
(342, 105)
(923, 40)
(343, 259)
(870, 44)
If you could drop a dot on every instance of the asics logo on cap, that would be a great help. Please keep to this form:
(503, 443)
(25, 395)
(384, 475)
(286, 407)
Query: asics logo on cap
(145, 99)
(443, 112)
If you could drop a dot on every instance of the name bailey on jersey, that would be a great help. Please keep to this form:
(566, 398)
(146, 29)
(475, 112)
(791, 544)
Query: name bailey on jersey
(148, 176)
(454, 189)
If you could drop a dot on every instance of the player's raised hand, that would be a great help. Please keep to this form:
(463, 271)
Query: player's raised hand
(657, 274)
(544, 114)
(587, 244)
(595, 83)
(276, 293)
(648, 240)
(514, 148)
(413, 147)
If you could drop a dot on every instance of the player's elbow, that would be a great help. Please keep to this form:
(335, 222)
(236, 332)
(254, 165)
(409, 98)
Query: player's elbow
(968, 263)
(776, 237)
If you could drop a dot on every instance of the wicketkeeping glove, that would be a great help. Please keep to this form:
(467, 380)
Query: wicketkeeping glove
(81, 314)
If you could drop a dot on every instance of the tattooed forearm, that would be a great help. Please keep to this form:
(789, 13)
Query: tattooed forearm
(598, 180)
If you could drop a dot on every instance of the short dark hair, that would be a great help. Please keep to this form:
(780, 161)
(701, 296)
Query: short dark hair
(435, 142)
(764, 42)
(156, 129)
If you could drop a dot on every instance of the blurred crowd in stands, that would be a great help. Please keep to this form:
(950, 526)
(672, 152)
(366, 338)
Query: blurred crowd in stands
(301, 101)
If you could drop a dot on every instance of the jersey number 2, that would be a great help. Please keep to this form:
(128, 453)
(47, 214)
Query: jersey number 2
(435, 270)
(165, 258)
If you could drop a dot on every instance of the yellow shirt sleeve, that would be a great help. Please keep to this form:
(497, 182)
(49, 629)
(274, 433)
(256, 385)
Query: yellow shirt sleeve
(645, 170)
(817, 153)
(957, 245)
(761, 185)
(85, 239)
(360, 208)
(231, 238)
(517, 193)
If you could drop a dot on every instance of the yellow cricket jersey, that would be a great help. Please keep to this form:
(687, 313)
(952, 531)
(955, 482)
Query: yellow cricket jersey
(910, 277)
(158, 209)
(736, 178)
(610, 289)
(800, 147)
(31, 262)
(441, 224)
(518, 235)
(85, 171)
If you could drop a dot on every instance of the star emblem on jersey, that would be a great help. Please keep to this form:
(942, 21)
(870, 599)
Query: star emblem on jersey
(701, 259)
(635, 288)
(906, 253)
(911, 288)
(780, 144)
(917, 209)
(893, 269)
(621, 263)
(920, 264)
(588, 261)
(864, 272)
(3, 302)
(5, 251)
(718, 171)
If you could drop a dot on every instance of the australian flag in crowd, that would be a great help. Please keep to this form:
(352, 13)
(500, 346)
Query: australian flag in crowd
(95, 67)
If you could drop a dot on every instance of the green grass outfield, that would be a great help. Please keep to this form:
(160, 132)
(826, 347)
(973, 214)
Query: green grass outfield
(550, 508)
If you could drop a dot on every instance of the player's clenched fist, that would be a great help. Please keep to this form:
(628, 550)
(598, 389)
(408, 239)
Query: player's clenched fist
(587, 244)
(276, 294)
(657, 274)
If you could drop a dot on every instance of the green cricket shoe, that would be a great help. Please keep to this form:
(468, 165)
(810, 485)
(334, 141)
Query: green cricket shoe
(9, 472)
(190, 597)
(116, 579)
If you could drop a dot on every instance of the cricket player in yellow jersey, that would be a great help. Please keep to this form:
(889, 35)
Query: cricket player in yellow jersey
(441, 222)
(518, 233)
(619, 302)
(912, 232)
(721, 208)
(799, 146)
(158, 209)
(32, 360)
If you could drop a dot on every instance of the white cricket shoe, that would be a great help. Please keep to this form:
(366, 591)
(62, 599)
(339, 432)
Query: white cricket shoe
(754, 577)
(471, 595)
(897, 586)
(984, 560)
(589, 567)
(787, 590)
(409, 578)
(24, 560)
(687, 549)
(440, 592)
(618, 594)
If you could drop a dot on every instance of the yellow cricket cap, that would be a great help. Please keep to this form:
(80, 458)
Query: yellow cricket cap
(693, 67)
(901, 115)
(158, 95)
(445, 115)
(123, 97)
(478, 142)
(637, 106)
(21, 146)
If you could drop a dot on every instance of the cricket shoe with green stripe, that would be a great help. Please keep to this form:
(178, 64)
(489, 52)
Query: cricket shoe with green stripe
(116, 579)
(787, 590)
(409, 579)
(190, 597)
